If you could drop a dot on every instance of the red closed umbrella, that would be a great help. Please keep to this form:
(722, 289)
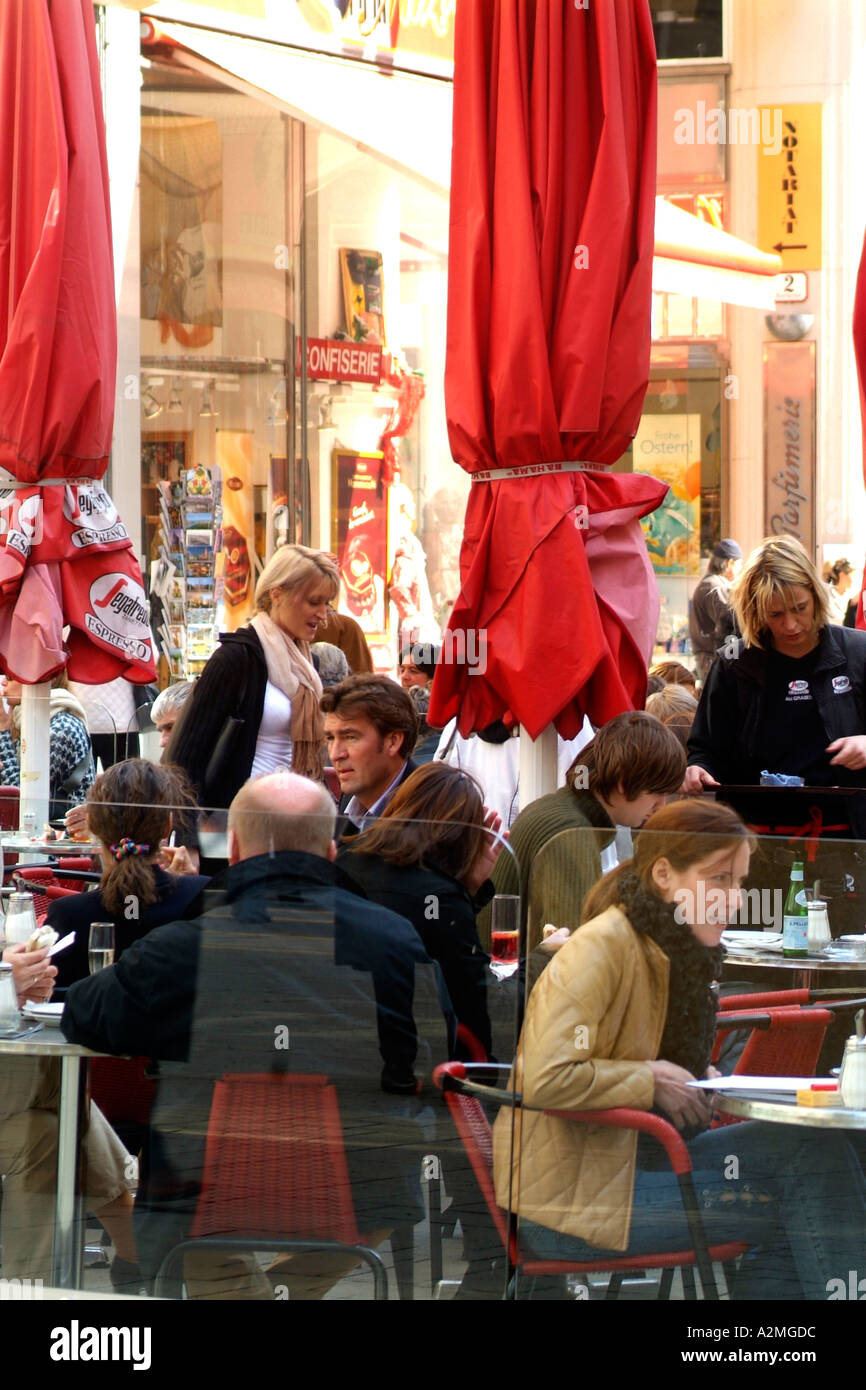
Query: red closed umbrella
(63, 547)
(550, 275)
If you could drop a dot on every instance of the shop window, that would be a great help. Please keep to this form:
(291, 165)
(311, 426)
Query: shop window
(218, 264)
(390, 499)
(687, 29)
(680, 441)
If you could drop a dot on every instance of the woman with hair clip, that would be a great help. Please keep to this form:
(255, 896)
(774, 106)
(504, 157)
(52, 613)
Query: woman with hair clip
(255, 707)
(624, 1015)
(428, 857)
(129, 809)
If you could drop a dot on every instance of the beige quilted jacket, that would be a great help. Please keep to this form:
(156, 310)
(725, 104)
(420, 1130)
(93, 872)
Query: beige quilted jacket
(594, 1020)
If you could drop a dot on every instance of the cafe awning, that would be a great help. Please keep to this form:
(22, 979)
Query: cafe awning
(693, 257)
(405, 120)
(400, 118)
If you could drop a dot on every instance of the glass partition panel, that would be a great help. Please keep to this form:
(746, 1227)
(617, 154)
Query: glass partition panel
(631, 974)
(269, 1018)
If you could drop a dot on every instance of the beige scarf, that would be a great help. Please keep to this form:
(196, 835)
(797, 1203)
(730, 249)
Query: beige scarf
(291, 669)
(60, 699)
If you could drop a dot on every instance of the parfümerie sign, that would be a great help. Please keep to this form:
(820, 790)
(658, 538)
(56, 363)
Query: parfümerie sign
(789, 441)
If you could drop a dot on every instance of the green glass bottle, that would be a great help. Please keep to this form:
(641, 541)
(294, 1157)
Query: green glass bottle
(795, 922)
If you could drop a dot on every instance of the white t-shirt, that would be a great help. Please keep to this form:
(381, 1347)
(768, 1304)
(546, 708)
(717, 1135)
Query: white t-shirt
(274, 743)
(496, 765)
(110, 708)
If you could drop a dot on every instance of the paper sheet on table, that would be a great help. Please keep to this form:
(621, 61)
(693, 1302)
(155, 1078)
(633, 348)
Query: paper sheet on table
(764, 1083)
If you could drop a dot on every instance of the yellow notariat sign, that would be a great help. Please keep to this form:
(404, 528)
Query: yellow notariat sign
(789, 185)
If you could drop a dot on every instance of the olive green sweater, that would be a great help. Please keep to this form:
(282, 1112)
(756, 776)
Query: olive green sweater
(557, 843)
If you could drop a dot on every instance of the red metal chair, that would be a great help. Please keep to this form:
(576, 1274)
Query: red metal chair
(78, 873)
(124, 1092)
(10, 798)
(275, 1176)
(765, 999)
(464, 1101)
(44, 887)
(832, 999)
(783, 1042)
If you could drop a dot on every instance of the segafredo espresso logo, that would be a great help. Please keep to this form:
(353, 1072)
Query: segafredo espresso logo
(798, 690)
(119, 616)
(91, 511)
(841, 685)
(20, 521)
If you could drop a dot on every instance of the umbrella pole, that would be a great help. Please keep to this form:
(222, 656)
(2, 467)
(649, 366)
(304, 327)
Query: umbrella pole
(35, 756)
(538, 765)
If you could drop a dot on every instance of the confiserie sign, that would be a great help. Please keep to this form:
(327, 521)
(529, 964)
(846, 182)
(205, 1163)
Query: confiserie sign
(335, 359)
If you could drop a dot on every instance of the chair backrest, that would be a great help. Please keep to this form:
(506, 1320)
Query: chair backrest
(789, 1047)
(119, 1087)
(275, 1162)
(766, 999)
(9, 802)
(476, 1136)
(71, 867)
(81, 863)
(33, 874)
(44, 888)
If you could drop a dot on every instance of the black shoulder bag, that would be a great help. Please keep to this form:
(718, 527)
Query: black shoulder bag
(223, 755)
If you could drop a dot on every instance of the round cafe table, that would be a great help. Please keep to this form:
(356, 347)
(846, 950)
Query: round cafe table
(69, 1200)
(806, 970)
(772, 1107)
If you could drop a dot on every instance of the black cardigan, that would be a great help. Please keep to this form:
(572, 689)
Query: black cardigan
(726, 734)
(233, 683)
(443, 914)
(178, 895)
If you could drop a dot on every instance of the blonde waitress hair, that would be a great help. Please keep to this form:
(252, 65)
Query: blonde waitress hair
(296, 567)
(772, 570)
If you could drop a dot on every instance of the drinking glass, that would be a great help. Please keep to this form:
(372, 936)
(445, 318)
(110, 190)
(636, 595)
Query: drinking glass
(100, 951)
(505, 927)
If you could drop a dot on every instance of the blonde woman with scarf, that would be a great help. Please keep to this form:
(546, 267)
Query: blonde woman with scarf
(71, 771)
(255, 707)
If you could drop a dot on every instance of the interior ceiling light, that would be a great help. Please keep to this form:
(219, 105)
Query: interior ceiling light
(150, 405)
(207, 406)
(326, 419)
(175, 404)
(277, 412)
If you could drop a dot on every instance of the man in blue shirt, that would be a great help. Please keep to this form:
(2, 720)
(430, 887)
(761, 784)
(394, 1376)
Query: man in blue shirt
(371, 727)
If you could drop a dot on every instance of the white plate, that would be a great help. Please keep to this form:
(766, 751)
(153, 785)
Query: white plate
(46, 1014)
(752, 940)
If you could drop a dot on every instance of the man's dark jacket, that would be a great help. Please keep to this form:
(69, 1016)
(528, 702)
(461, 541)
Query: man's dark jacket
(284, 972)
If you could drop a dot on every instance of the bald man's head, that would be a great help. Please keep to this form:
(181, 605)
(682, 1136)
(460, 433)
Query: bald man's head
(281, 812)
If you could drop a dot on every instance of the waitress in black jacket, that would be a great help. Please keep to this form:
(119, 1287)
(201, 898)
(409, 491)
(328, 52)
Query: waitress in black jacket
(255, 707)
(129, 811)
(790, 696)
(429, 857)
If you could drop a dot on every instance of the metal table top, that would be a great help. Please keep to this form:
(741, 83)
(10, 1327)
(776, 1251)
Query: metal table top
(845, 961)
(46, 1042)
(786, 1112)
(23, 844)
